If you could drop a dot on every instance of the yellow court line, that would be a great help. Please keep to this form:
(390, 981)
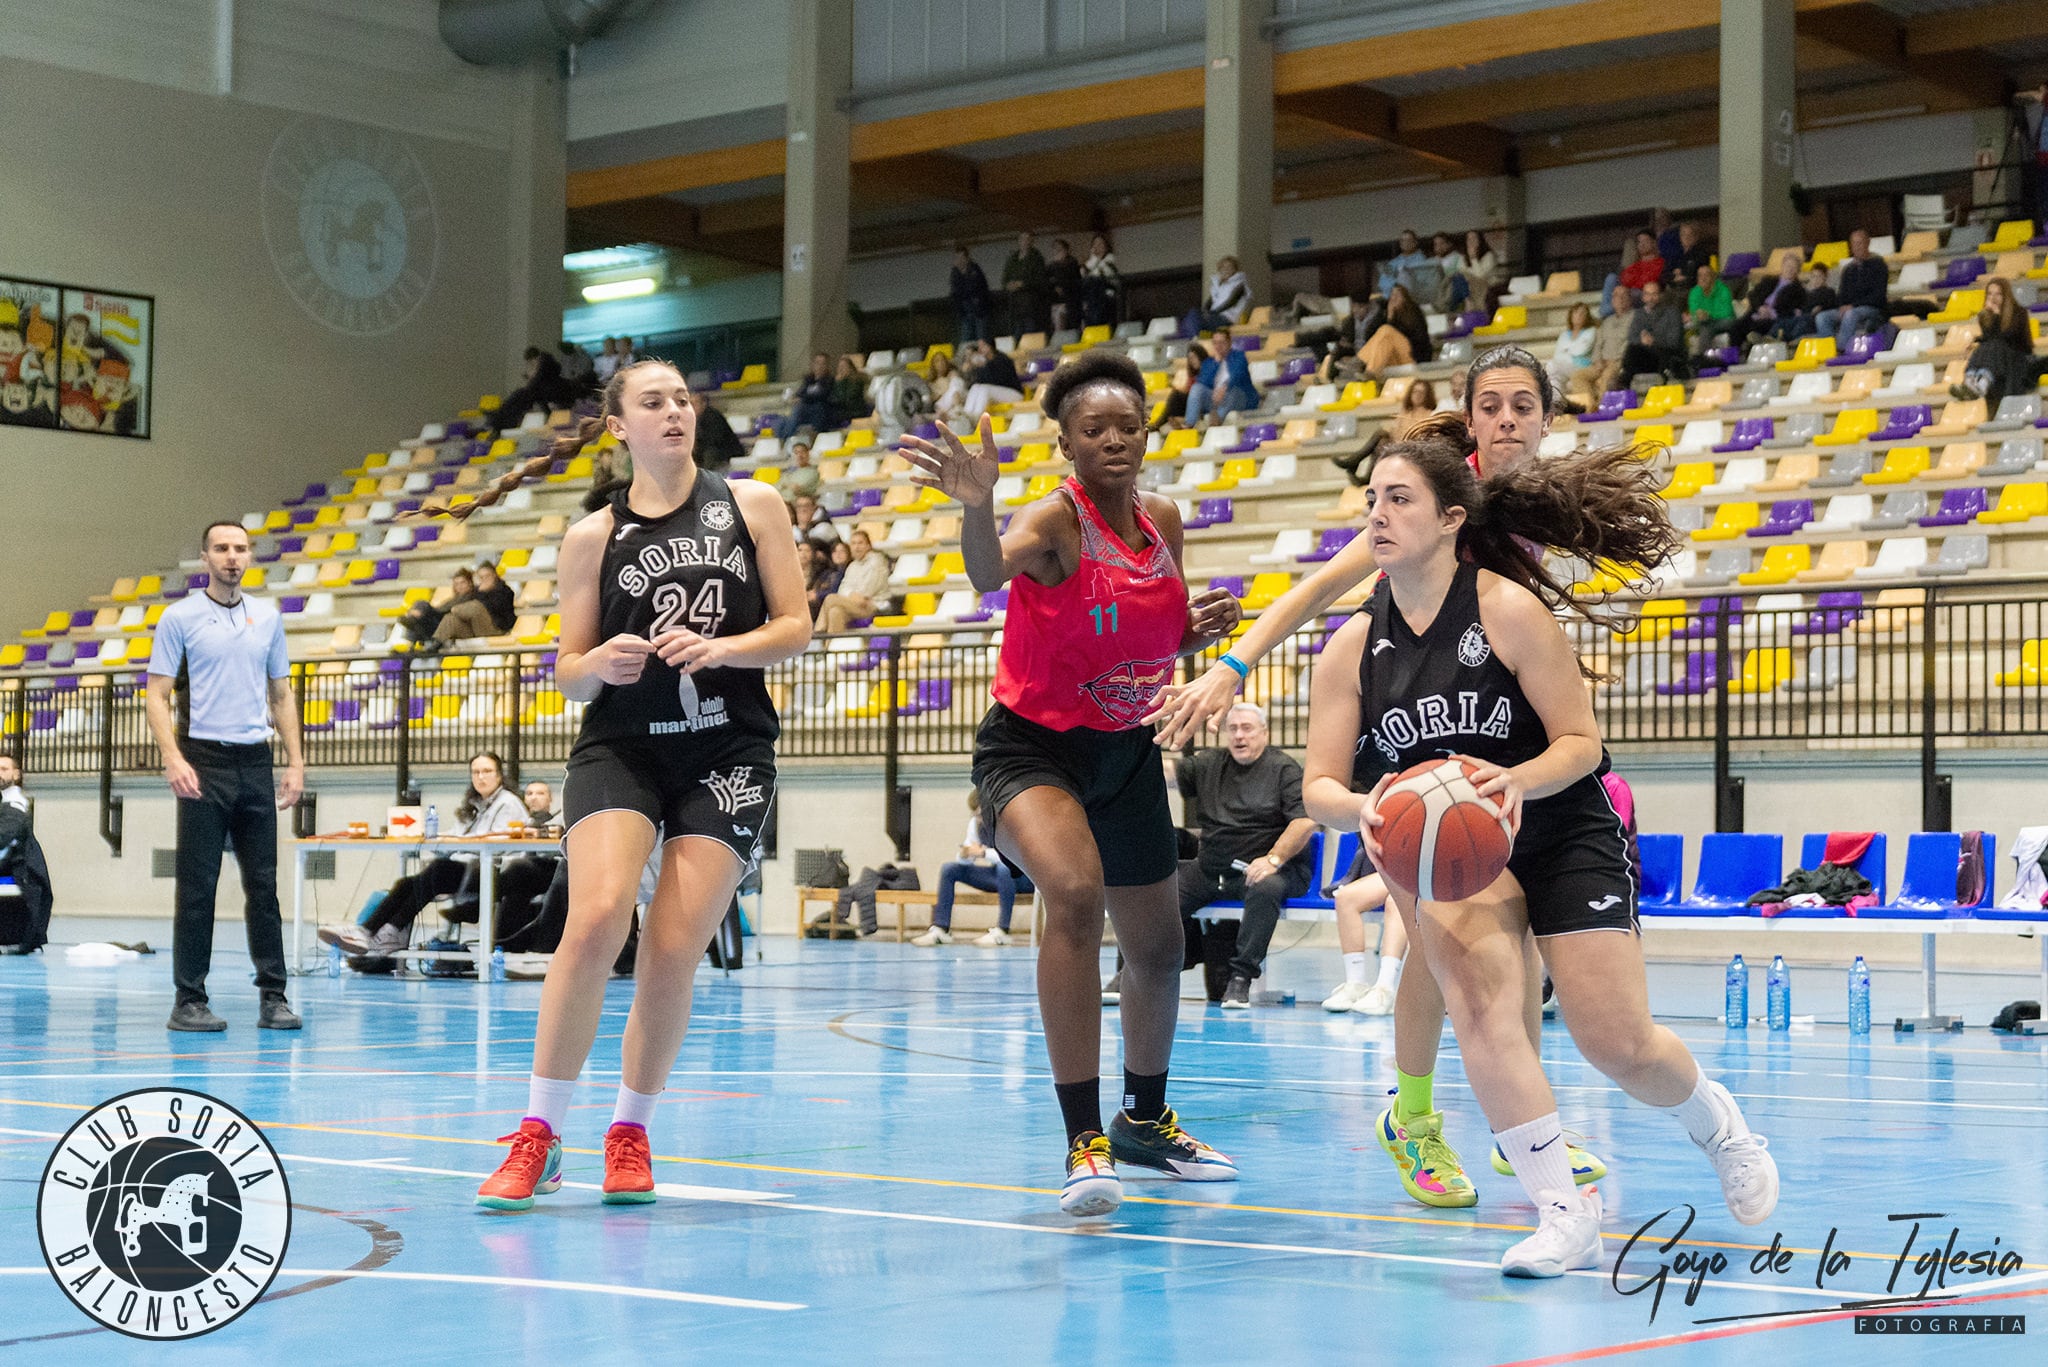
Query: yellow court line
(1357, 1216)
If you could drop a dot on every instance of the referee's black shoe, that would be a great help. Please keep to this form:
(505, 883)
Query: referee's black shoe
(195, 1016)
(277, 1013)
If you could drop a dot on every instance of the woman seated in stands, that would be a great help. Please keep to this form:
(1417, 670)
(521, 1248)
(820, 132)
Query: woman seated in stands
(863, 589)
(1402, 340)
(949, 390)
(487, 808)
(1571, 359)
(979, 866)
(831, 570)
(488, 611)
(2003, 361)
(850, 391)
(422, 617)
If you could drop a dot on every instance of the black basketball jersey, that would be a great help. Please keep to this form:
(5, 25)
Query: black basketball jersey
(694, 568)
(1441, 693)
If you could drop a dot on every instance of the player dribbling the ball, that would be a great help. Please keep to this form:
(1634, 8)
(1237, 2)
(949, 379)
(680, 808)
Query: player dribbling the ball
(1462, 656)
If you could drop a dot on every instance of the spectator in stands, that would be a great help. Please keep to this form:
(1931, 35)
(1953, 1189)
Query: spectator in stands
(422, 617)
(829, 571)
(980, 867)
(577, 370)
(1224, 384)
(1342, 343)
(1820, 299)
(1408, 254)
(1862, 302)
(21, 858)
(812, 522)
(1666, 231)
(1185, 377)
(1693, 253)
(1063, 277)
(1418, 402)
(1101, 286)
(607, 361)
(813, 397)
(1774, 302)
(800, 478)
(1452, 288)
(1485, 272)
(1028, 286)
(2002, 362)
(1571, 357)
(973, 305)
(1245, 802)
(543, 388)
(1709, 307)
(540, 805)
(1656, 337)
(863, 589)
(849, 391)
(485, 612)
(1402, 340)
(626, 353)
(1648, 264)
(1229, 300)
(718, 446)
(1611, 343)
(992, 380)
(488, 807)
(949, 390)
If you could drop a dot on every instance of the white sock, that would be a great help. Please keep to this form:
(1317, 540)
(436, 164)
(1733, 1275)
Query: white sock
(1541, 1158)
(1709, 1113)
(547, 1098)
(1354, 969)
(634, 1108)
(1390, 973)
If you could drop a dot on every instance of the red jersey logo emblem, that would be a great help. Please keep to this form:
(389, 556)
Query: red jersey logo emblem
(1126, 692)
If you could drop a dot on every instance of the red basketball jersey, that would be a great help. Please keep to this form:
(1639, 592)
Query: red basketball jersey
(1094, 650)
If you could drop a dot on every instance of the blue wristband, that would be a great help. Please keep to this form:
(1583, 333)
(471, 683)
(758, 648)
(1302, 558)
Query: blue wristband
(1243, 669)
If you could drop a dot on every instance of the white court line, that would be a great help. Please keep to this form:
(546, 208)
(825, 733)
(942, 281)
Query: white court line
(730, 1195)
(649, 1293)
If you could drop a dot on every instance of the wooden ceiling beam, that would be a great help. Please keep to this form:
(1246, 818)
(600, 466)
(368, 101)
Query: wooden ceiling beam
(668, 223)
(1987, 26)
(1468, 148)
(1874, 35)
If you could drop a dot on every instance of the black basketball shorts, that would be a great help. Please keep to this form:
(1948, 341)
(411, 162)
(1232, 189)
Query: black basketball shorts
(1576, 863)
(720, 794)
(1118, 777)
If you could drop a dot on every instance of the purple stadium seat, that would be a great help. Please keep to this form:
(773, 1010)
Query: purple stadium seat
(1862, 347)
(930, 695)
(88, 650)
(1699, 676)
(1253, 436)
(1957, 507)
(1962, 270)
(1834, 612)
(422, 536)
(1903, 421)
(1233, 582)
(1786, 517)
(1700, 625)
(1741, 264)
(82, 619)
(1334, 539)
(1211, 512)
(1749, 434)
(1612, 404)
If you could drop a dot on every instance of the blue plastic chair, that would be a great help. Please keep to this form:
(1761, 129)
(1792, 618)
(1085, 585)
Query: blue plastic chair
(1663, 873)
(1732, 866)
(1928, 890)
(1872, 865)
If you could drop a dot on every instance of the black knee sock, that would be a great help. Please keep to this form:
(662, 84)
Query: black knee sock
(1144, 1095)
(1080, 1106)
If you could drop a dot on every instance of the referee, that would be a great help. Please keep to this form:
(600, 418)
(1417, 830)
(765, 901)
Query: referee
(231, 649)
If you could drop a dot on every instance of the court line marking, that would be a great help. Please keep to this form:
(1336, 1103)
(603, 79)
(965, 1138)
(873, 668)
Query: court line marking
(680, 1191)
(650, 1293)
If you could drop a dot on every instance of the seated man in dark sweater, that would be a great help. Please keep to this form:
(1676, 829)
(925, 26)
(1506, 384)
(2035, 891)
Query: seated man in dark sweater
(1861, 304)
(486, 612)
(1245, 800)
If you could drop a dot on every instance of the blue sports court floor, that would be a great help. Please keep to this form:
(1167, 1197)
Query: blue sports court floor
(861, 1152)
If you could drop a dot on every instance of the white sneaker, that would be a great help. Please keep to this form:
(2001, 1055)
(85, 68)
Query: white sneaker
(1567, 1240)
(390, 939)
(934, 935)
(992, 938)
(1374, 1001)
(351, 938)
(1346, 994)
(1748, 1173)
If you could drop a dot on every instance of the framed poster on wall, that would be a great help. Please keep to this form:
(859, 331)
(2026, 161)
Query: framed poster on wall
(103, 362)
(29, 310)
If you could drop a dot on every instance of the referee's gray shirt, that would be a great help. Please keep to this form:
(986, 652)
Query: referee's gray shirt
(230, 654)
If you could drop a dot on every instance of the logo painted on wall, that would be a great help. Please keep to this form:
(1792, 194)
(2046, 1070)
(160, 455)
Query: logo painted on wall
(348, 215)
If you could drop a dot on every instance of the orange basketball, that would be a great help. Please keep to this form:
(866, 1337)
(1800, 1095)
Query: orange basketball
(1442, 841)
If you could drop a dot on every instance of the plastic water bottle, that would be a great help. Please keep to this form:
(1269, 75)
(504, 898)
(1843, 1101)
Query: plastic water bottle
(433, 822)
(334, 961)
(1859, 997)
(498, 972)
(1779, 988)
(1736, 1003)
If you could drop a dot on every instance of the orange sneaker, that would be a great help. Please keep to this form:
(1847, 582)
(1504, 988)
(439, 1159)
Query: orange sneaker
(533, 1166)
(628, 1169)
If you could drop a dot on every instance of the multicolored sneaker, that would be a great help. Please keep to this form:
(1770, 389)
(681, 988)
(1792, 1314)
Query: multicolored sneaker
(1586, 1165)
(1430, 1170)
(1092, 1186)
(534, 1167)
(1165, 1147)
(628, 1166)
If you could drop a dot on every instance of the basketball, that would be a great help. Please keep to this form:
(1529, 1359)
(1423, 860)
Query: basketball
(1441, 839)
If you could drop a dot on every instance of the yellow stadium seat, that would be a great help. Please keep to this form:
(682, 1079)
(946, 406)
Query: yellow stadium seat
(1829, 254)
(1354, 394)
(329, 516)
(12, 656)
(937, 349)
(278, 521)
(319, 712)
(1763, 671)
(1178, 440)
(1962, 305)
(56, 624)
(2018, 503)
(1655, 433)
(1506, 318)
(859, 437)
(514, 558)
(1812, 354)
(1781, 563)
(1851, 425)
(1901, 463)
(769, 474)
(376, 460)
(1661, 399)
(489, 403)
(502, 447)
(1657, 618)
(361, 571)
(550, 630)
(1689, 478)
(1234, 471)
(2028, 675)
(1266, 588)
(157, 610)
(1038, 488)
(878, 695)
(1730, 521)
(2011, 234)
(1032, 453)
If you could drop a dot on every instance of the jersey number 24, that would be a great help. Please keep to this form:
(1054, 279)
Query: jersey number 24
(705, 614)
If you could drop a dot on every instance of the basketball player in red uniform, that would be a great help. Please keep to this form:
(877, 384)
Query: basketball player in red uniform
(1070, 782)
(1458, 654)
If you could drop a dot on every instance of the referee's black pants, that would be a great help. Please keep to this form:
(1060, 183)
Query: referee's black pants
(237, 803)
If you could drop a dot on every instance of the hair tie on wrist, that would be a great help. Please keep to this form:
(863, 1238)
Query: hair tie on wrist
(1243, 670)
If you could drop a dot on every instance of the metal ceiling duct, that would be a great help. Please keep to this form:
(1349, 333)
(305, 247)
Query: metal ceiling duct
(510, 32)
